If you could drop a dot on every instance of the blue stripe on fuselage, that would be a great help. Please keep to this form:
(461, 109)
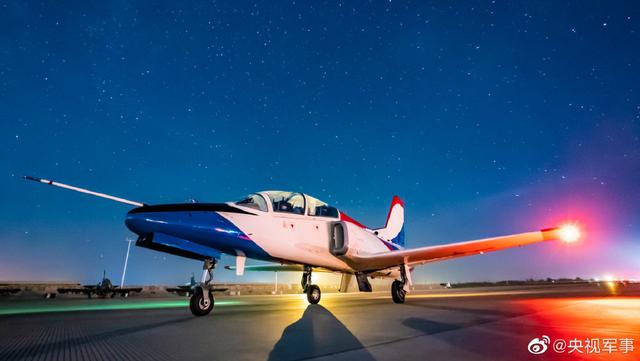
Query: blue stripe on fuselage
(206, 228)
(390, 245)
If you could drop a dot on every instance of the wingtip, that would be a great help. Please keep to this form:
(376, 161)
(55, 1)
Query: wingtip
(549, 233)
(550, 229)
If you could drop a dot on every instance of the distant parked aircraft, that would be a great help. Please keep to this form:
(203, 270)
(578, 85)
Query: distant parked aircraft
(185, 289)
(4, 290)
(188, 288)
(103, 289)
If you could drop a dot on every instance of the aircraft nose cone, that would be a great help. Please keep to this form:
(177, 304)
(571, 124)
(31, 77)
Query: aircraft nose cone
(135, 223)
(143, 223)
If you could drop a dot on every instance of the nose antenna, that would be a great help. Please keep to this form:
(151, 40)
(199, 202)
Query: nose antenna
(85, 191)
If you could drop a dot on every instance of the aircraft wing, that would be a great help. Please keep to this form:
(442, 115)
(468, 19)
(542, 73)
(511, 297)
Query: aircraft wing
(8, 290)
(275, 267)
(83, 290)
(417, 256)
(127, 290)
(179, 289)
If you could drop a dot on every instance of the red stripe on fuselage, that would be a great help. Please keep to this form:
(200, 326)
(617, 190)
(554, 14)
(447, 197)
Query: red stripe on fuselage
(344, 217)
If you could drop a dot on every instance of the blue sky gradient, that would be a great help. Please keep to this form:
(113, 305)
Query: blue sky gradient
(486, 117)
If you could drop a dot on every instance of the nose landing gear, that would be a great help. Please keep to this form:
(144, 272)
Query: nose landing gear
(202, 301)
(312, 291)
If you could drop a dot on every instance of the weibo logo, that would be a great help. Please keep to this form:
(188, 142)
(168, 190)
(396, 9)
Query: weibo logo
(538, 346)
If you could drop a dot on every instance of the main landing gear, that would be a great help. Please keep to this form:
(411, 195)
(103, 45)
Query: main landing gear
(398, 290)
(202, 301)
(312, 291)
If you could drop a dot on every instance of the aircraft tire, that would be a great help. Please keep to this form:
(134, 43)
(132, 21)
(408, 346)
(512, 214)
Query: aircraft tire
(197, 304)
(397, 292)
(313, 294)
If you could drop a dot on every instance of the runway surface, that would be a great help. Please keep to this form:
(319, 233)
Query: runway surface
(455, 324)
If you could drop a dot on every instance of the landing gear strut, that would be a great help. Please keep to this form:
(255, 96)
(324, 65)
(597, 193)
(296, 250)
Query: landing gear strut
(398, 290)
(312, 291)
(202, 301)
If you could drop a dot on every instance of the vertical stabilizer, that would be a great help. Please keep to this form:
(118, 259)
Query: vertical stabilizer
(393, 230)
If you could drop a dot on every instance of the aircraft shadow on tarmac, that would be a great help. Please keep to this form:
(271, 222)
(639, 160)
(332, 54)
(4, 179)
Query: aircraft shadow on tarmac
(475, 318)
(318, 332)
(474, 311)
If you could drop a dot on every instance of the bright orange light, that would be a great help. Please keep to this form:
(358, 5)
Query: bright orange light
(569, 233)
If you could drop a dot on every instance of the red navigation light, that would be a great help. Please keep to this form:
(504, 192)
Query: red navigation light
(569, 233)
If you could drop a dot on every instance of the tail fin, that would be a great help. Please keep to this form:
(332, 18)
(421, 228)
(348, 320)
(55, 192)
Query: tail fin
(393, 230)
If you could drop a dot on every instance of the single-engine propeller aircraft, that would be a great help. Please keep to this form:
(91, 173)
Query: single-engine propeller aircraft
(299, 233)
(186, 289)
(103, 289)
(189, 288)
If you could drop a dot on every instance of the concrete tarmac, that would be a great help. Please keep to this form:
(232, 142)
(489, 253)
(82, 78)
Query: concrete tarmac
(452, 324)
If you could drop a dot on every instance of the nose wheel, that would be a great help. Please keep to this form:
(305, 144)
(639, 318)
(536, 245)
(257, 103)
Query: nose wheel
(199, 304)
(202, 301)
(312, 291)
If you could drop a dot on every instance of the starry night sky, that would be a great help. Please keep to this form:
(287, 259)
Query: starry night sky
(487, 118)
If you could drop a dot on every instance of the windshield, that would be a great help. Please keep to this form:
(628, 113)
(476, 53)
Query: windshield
(287, 202)
(254, 201)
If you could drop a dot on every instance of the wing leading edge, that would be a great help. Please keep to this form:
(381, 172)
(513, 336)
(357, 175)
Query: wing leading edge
(276, 267)
(416, 256)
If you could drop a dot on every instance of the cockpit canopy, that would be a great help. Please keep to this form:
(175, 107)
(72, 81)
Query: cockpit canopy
(319, 208)
(254, 201)
(289, 202)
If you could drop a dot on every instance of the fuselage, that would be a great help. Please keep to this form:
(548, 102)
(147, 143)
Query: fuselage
(271, 226)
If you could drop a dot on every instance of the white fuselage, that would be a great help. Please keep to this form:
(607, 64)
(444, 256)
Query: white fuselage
(305, 239)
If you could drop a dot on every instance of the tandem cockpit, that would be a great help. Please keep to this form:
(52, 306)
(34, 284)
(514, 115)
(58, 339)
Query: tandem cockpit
(288, 202)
